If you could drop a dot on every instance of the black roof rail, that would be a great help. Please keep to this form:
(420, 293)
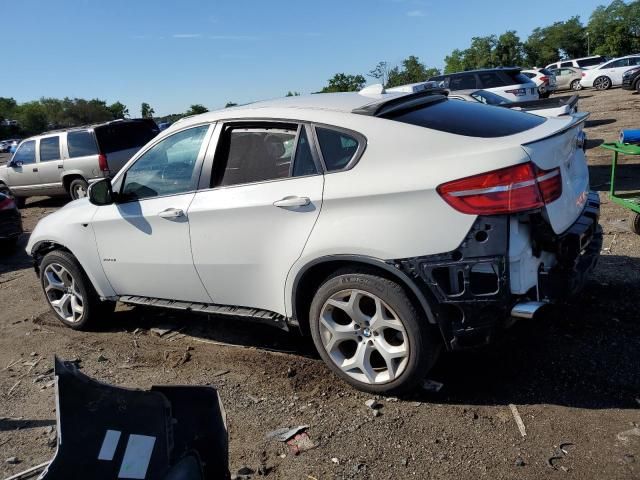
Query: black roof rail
(403, 102)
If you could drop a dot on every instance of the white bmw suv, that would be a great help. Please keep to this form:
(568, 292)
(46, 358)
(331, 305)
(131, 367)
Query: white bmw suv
(386, 226)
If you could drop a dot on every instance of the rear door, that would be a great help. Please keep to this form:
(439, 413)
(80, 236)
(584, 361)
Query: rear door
(81, 155)
(50, 163)
(262, 195)
(616, 69)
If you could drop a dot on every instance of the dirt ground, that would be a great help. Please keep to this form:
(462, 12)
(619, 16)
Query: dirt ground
(573, 375)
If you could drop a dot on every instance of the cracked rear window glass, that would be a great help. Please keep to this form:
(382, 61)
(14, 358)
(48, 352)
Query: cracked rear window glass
(468, 118)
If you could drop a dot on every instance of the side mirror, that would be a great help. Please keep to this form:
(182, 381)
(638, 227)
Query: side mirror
(101, 193)
(15, 164)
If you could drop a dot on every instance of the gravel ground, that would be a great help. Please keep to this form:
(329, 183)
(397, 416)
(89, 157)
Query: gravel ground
(573, 375)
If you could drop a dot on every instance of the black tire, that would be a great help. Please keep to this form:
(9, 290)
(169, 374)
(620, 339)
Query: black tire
(20, 201)
(423, 342)
(575, 86)
(602, 83)
(638, 86)
(94, 310)
(76, 187)
(8, 246)
(635, 223)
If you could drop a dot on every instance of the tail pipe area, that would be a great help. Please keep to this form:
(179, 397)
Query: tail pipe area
(526, 309)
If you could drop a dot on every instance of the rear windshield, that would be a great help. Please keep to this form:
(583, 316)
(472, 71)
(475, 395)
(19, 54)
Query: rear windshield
(516, 77)
(124, 136)
(545, 71)
(469, 119)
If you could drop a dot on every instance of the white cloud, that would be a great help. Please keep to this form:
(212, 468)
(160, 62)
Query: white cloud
(234, 37)
(416, 13)
(186, 35)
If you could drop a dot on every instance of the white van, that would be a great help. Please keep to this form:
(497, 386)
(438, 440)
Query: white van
(584, 62)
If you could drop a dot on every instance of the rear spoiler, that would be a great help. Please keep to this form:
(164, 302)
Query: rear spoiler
(404, 102)
(576, 119)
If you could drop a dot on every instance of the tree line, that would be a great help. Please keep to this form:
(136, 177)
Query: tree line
(612, 31)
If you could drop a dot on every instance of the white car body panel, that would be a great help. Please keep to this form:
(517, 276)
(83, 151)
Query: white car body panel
(234, 247)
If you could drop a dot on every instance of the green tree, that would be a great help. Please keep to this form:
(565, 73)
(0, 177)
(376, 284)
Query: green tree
(614, 30)
(230, 104)
(7, 107)
(146, 111)
(344, 83)
(508, 50)
(32, 117)
(538, 50)
(196, 109)
(412, 71)
(118, 110)
(292, 94)
(455, 62)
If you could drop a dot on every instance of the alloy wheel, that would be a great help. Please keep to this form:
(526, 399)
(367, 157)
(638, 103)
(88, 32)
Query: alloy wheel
(62, 292)
(364, 337)
(575, 85)
(602, 83)
(79, 192)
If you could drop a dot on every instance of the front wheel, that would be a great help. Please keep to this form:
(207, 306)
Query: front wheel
(602, 83)
(69, 292)
(78, 188)
(370, 334)
(575, 85)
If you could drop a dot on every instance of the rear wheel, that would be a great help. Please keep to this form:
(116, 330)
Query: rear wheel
(370, 334)
(69, 292)
(635, 223)
(78, 188)
(638, 86)
(575, 85)
(602, 83)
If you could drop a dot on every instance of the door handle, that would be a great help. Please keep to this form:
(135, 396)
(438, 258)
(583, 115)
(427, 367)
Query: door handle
(60, 166)
(35, 169)
(292, 201)
(171, 213)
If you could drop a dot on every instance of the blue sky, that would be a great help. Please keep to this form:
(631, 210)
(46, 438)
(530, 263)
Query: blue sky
(173, 54)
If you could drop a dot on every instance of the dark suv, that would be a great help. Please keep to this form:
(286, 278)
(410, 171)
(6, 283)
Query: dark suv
(631, 79)
(509, 83)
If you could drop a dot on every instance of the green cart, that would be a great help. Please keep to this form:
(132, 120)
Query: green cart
(630, 200)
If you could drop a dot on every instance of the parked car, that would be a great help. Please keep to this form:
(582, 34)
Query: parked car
(544, 79)
(506, 82)
(546, 107)
(568, 78)
(5, 145)
(10, 222)
(397, 225)
(65, 162)
(631, 79)
(609, 74)
(583, 62)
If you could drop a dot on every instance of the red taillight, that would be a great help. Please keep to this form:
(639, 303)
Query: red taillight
(584, 74)
(102, 162)
(508, 190)
(544, 79)
(7, 204)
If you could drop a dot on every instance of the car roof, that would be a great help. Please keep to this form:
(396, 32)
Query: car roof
(481, 70)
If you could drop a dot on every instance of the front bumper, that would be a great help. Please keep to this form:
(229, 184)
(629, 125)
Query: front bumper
(470, 287)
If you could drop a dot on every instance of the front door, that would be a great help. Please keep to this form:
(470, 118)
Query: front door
(251, 225)
(50, 162)
(23, 170)
(143, 239)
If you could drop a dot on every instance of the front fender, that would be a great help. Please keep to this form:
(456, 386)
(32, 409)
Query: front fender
(70, 227)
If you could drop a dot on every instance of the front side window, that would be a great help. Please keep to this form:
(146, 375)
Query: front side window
(49, 149)
(26, 153)
(623, 62)
(81, 143)
(255, 153)
(489, 98)
(462, 82)
(633, 61)
(337, 147)
(167, 168)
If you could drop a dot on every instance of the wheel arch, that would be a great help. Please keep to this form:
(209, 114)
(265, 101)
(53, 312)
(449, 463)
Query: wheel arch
(309, 278)
(70, 177)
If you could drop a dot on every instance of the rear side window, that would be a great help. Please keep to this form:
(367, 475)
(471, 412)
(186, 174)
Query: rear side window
(491, 80)
(49, 149)
(26, 153)
(81, 143)
(567, 64)
(462, 82)
(124, 136)
(469, 119)
(338, 148)
(254, 154)
(587, 62)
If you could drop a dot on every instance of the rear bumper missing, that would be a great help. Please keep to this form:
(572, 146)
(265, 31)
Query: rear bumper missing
(470, 286)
